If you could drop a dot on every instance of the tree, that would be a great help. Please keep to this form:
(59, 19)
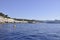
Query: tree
(1, 14)
(6, 16)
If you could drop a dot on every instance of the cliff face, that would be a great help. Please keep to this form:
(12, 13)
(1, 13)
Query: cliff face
(6, 19)
(10, 20)
(3, 20)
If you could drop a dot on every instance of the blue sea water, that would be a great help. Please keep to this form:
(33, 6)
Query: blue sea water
(42, 31)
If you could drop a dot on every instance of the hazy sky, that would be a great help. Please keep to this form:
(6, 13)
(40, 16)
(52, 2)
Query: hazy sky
(31, 9)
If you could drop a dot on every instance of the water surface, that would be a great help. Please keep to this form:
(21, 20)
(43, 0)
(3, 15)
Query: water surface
(20, 31)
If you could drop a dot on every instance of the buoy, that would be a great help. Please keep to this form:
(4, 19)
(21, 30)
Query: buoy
(14, 26)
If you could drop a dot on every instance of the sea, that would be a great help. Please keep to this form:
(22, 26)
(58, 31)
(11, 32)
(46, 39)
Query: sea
(28, 31)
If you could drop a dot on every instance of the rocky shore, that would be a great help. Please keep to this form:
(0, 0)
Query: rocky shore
(6, 19)
(10, 20)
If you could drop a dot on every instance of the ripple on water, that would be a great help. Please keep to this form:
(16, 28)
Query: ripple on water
(21, 36)
(25, 32)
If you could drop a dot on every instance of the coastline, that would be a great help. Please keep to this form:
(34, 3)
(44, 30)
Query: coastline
(9, 20)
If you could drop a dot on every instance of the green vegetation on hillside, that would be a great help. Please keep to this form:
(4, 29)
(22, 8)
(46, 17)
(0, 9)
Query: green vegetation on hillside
(29, 21)
(5, 16)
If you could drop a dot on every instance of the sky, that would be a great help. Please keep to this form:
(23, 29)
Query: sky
(31, 9)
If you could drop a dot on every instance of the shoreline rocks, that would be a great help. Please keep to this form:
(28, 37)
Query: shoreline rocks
(10, 20)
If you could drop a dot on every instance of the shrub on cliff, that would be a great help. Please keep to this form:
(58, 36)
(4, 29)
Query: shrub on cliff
(6, 16)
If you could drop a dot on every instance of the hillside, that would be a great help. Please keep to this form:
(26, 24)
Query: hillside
(6, 19)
